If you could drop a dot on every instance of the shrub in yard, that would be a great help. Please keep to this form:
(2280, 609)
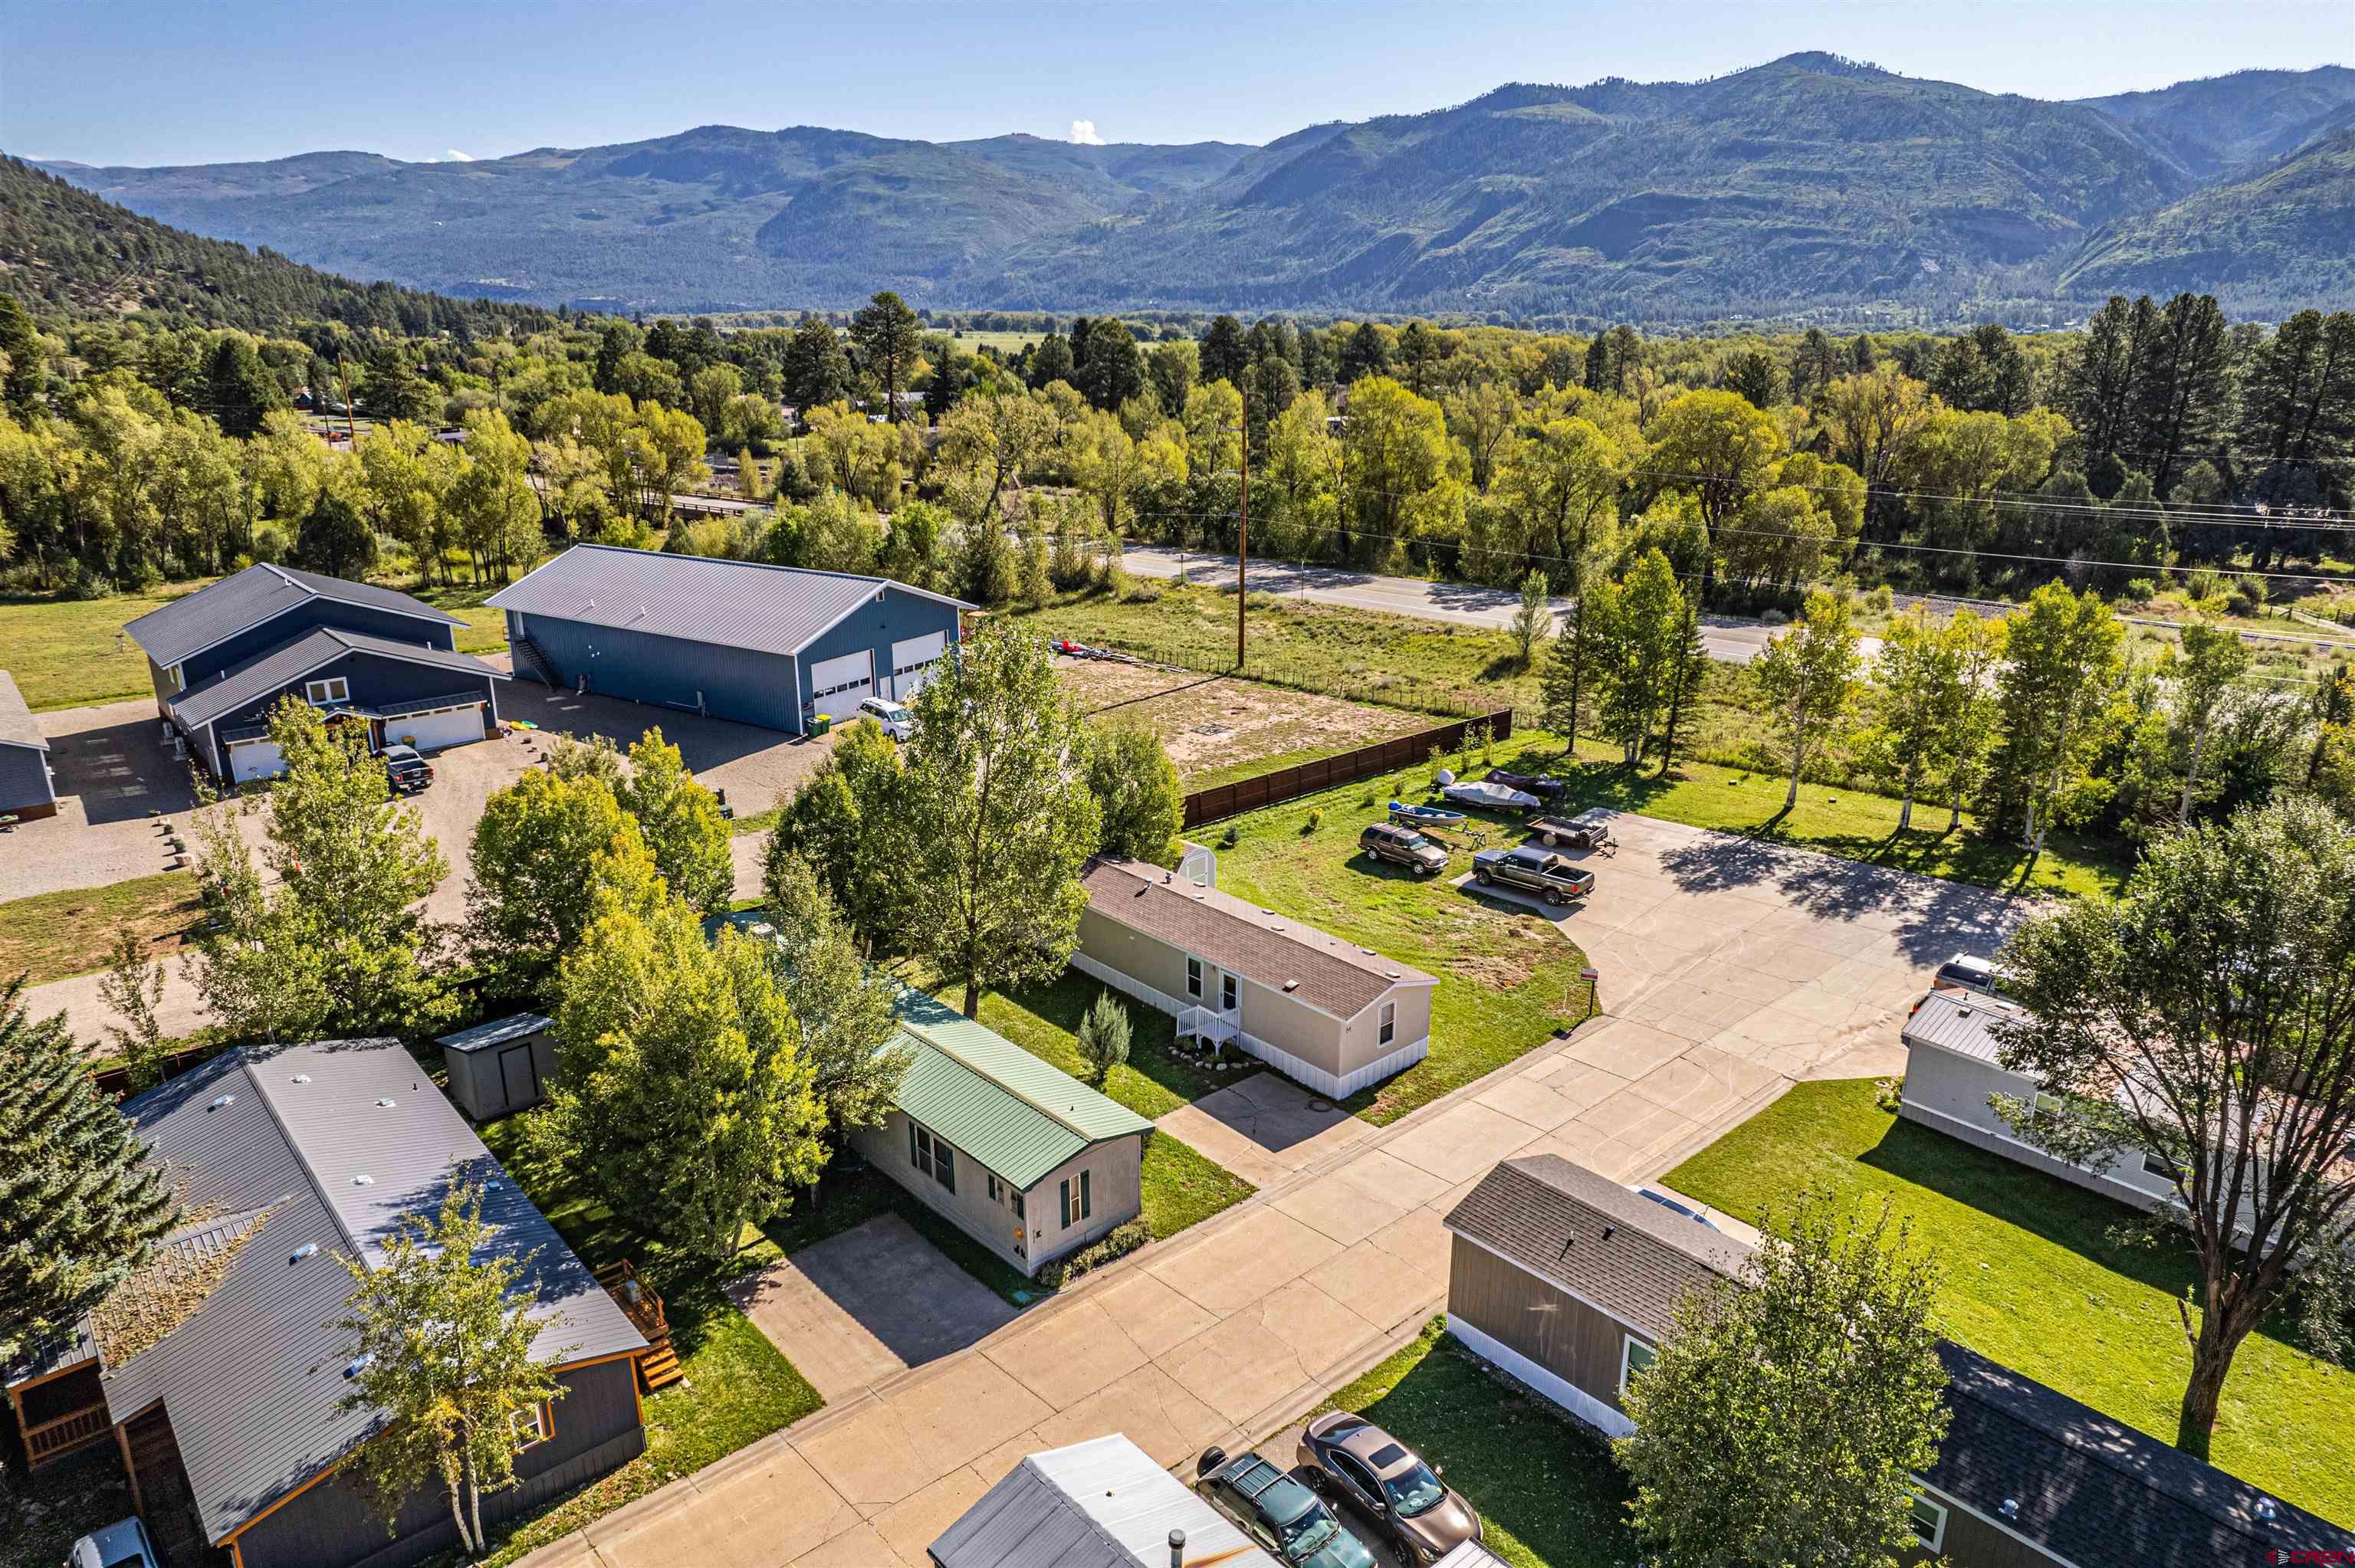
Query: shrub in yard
(1774, 618)
(1117, 1242)
(1316, 819)
(1104, 1036)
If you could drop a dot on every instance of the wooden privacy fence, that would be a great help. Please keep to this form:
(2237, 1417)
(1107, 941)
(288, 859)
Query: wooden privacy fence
(1381, 757)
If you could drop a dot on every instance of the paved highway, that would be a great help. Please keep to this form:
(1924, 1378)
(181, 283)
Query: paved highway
(1728, 639)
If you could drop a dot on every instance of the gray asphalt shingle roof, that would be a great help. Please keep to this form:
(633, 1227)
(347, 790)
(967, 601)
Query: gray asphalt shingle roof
(730, 604)
(17, 725)
(250, 1379)
(282, 666)
(213, 614)
(1274, 950)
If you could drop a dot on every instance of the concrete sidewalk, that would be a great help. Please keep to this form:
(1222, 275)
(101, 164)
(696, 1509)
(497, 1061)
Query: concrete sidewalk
(1730, 970)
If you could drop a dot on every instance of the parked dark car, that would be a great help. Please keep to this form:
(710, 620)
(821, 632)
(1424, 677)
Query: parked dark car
(1278, 1511)
(1388, 1481)
(408, 770)
(1590, 830)
(1387, 841)
(1533, 871)
(1536, 784)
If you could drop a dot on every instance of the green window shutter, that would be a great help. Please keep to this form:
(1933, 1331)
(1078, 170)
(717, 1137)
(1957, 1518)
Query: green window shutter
(1067, 1203)
(1085, 1207)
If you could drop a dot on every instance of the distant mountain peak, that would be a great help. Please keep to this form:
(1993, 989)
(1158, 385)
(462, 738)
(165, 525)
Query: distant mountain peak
(1822, 62)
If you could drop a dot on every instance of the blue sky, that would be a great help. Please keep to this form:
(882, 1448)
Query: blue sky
(175, 81)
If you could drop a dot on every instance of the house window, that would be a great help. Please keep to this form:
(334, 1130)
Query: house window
(1076, 1206)
(1635, 1356)
(1390, 1022)
(529, 1426)
(932, 1156)
(994, 1190)
(2049, 1104)
(2160, 1166)
(1228, 998)
(1193, 977)
(1929, 1520)
(335, 689)
(1017, 1198)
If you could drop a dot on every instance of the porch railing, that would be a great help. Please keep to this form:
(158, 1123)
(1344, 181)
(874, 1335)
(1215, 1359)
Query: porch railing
(55, 1439)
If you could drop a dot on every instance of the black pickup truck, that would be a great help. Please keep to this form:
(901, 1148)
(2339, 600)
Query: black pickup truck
(1533, 870)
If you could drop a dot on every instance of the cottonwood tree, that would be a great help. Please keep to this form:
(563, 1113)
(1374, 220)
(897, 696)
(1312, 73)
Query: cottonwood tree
(2062, 659)
(1633, 638)
(1932, 701)
(998, 817)
(1136, 792)
(2210, 666)
(1785, 1418)
(841, 1005)
(1532, 619)
(80, 1204)
(530, 897)
(133, 985)
(850, 822)
(682, 1082)
(443, 1352)
(1808, 677)
(1714, 446)
(2206, 1017)
(681, 823)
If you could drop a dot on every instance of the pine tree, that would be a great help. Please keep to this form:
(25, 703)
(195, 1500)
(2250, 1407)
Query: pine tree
(79, 1204)
(886, 332)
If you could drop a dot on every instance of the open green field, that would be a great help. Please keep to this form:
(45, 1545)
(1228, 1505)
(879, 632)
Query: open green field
(1548, 1493)
(2033, 1281)
(52, 936)
(1508, 978)
(1007, 343)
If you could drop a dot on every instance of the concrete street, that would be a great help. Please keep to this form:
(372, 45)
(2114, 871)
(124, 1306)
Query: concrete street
(1728, 639)
(1730, 970)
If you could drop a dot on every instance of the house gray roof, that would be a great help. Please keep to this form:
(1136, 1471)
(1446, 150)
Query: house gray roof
(213, 614)
(283, 666)
(1099, 1504)
(1958, 1020)
(17, 725)
(2092, 1490)
(1614, 1249)
(249, 1378)
(730, 604)
(497, 1032)
(1274, 950)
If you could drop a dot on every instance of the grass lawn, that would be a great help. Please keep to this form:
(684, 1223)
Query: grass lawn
(1508, 978)
(738, 1388)
(2033, 1281)
(64, 653)
(53, 935)
(1549, 1494)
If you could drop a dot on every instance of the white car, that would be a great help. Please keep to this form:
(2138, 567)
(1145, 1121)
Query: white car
(899, 721)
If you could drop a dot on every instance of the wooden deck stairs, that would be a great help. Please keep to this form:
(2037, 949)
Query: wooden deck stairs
(658, 1364)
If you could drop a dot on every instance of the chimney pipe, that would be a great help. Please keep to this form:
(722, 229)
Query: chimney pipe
(1176, 1549)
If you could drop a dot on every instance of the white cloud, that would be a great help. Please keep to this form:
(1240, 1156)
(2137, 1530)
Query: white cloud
(1083, 132)
(456, 156)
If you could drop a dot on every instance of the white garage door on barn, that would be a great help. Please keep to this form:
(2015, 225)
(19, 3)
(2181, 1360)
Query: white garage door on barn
(913, 662)
(252, 759)
(837, 685)
(432, 731)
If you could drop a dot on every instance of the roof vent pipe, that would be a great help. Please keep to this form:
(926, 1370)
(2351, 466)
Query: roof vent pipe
(1176, 1549)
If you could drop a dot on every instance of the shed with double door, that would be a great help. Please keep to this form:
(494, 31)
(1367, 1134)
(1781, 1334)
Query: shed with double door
(501, 1067)
(773, 646)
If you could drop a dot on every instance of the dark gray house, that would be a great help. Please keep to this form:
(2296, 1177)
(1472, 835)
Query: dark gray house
(26, 791)
(230, 1374)
(222, 657)
(773, 646)
(1569, 1282)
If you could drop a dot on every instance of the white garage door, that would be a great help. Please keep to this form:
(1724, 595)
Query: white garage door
(432, 731)
(252, 759)
(837, 685)
(912, 660)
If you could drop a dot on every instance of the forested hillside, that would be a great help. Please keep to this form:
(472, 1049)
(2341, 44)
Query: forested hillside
(1811, 186)
(65, 250)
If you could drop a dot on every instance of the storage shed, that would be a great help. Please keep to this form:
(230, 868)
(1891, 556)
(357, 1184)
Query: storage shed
(26, 789)
(773, 646)
(499, 1068)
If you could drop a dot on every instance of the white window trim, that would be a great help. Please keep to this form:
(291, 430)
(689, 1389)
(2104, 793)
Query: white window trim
(1629, 1344)
(1197, 972)
(1936, 1539)
(328, 689)
(1386, 1023)
(530, 1426)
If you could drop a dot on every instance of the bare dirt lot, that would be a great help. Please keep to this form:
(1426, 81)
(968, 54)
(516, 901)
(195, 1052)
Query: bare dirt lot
(1219, 728)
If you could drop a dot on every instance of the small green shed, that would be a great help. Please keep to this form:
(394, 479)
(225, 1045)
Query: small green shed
(497, 1069)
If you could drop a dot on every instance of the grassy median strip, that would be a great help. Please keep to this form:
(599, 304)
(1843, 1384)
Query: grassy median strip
(54, 936)
(2034, 1281)
(1548, 1493)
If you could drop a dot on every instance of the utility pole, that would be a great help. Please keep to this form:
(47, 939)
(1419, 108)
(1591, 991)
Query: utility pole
(351, 429)
(1242, 537)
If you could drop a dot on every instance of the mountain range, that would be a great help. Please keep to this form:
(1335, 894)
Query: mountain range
(1807, 184)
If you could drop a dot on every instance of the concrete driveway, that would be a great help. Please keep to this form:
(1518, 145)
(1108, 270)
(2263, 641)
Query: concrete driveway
(1730, 969)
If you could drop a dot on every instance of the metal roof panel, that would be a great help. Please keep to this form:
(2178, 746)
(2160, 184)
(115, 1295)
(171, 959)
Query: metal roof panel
(17, 725)
(213, 614)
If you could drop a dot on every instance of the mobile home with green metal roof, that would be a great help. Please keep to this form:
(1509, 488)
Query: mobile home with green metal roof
(1019, 1155)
